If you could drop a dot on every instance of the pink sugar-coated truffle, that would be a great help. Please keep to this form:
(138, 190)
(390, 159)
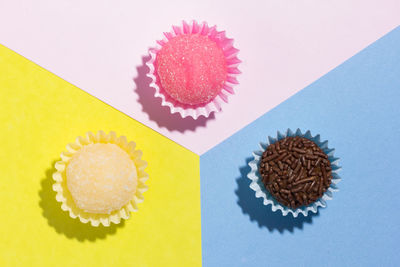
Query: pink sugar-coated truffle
(191, 68)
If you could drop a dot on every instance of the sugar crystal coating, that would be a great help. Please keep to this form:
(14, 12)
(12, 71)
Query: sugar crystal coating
(191, 68)
(101, 178)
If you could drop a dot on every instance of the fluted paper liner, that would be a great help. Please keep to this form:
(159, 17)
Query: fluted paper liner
(261, 192)
(232, 63)
(64, 196)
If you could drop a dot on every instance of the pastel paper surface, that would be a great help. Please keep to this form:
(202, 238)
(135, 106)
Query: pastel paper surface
(356, 108)
(40, 115)
(285, 45)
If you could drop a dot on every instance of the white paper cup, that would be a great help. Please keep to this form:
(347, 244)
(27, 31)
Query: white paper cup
(261, 192)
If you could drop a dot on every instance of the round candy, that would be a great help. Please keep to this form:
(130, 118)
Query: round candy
(101, 178)
(191, 68)
(296, 171)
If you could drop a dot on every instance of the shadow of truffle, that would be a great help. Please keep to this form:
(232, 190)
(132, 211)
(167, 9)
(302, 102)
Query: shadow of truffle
(262, 214)
(161, 114)
(62, 222)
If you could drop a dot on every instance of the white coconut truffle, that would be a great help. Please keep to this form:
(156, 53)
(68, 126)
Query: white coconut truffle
(101, 178)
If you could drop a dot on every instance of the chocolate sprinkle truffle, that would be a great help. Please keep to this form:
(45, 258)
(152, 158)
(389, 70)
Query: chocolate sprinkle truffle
(295, 171)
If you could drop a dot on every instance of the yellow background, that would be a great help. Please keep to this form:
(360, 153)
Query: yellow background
(39, 114)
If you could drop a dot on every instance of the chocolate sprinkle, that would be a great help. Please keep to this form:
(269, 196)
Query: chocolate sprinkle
(295, 171)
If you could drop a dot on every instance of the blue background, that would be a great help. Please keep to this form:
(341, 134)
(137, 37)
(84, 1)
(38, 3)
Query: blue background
(356, 108)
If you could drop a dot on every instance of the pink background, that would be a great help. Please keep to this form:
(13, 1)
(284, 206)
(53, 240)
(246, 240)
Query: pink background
(284, 45)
